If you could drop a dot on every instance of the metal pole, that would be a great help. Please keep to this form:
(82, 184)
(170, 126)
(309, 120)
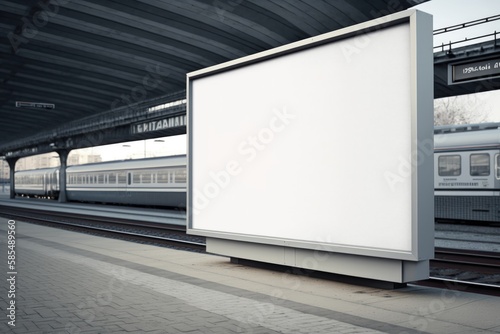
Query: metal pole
(63, 157)
(12, 168)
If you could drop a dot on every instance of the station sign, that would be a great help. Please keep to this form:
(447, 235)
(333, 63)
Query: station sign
(477, 70)
(158, 125)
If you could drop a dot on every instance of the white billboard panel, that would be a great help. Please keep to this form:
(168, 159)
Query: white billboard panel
(316, 144)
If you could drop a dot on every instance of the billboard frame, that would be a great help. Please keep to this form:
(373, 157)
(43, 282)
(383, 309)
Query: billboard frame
(422, 206)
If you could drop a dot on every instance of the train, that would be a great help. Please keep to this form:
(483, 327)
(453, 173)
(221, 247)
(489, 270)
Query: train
(466, 177)
(153, 182)
(467, 172)
(41, 183)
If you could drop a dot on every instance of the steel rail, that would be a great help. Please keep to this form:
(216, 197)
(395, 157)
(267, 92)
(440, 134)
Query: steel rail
(460, 286)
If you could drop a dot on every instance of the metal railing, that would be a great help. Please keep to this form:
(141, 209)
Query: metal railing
(466, 24)
(463, 26)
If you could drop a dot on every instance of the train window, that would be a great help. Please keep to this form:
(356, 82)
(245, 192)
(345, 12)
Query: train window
(100, 178)
(122, 178)
(112, 178)
(480, 164)
(180, 176)
(449, 165)
(162, 176)
(136, 178)
(146, 177)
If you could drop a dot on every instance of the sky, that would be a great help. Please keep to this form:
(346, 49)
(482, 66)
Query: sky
(445, 13)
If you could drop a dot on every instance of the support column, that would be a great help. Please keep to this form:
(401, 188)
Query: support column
(63, 157)
(12, 166)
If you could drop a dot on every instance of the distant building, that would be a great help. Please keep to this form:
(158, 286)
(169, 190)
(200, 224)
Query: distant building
(81, 159)
(52, 160)
(4, 171)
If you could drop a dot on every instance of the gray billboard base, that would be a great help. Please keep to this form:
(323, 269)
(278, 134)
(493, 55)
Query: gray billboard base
(323, 275)
(374, 268)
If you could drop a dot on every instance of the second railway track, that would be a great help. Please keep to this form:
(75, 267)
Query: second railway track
(168, 235)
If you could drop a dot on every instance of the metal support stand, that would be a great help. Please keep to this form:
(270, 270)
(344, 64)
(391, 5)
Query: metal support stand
(12, 166)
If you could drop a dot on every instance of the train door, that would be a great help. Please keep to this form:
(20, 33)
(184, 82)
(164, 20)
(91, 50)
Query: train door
(129, 185)
(54, 184)
(497, 171)
(45, 180)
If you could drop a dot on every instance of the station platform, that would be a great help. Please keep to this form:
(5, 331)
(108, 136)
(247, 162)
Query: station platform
(150, 215)
(67, 282)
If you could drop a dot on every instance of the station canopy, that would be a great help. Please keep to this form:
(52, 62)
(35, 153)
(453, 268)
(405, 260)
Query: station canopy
(87, 57)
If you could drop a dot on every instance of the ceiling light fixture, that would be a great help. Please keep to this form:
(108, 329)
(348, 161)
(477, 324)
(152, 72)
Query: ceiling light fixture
(36, 105)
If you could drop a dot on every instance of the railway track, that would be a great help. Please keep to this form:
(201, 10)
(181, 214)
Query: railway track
(166, 235)
(465, 270)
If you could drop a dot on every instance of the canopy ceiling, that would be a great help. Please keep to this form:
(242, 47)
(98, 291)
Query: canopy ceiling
(90, 56)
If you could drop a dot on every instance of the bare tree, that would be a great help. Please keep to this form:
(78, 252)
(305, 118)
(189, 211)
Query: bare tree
(465, 109)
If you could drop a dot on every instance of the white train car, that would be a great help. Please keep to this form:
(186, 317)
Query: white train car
(467, 172)
(42, 183)
(148, 182)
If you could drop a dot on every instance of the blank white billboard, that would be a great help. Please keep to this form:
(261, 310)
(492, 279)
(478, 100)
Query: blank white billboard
(316, 144)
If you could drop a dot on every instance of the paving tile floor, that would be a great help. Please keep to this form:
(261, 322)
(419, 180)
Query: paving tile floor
(68, 282)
